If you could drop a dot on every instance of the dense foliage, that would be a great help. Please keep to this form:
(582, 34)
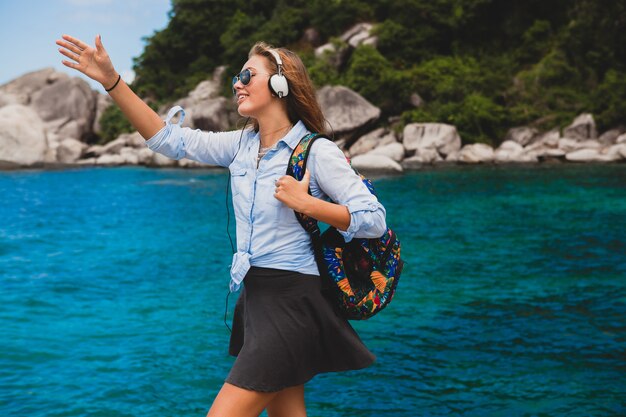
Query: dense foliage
(483, 65)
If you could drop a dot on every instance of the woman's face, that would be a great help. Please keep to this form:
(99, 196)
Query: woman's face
(253, 98)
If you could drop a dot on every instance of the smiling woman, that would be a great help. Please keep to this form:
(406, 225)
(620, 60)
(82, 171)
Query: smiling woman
(284, 330)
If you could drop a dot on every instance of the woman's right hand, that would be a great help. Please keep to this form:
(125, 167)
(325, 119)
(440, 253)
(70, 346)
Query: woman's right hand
(93, 62)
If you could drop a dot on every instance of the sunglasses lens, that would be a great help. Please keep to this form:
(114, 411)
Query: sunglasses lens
(245, 77)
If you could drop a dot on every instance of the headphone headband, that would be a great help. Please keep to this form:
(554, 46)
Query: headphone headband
(278, 82)
(277, 58)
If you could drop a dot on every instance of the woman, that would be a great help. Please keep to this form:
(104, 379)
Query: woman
(284, 330)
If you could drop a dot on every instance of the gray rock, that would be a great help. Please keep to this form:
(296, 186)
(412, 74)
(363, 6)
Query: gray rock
(476, 153)
(509, 151)
(416, 100)
(212, 115)
(130, 155)
(162, 161)
(366, 143)
(583, 127)
(94, 151)
(114, 146)
(22, 136)
(589, 144)
(71, 129)
(312, 36)
(345, 110)
(188, 163)
(453, 156)
(425, 156)
(357, 34)
(588, 155)
(615, 152)
(205, 109)
(442, 137)
(108, 159)
(67, 98)
(144, 156)
(568, 144)
(523, 135)
(412, 163)
(393, 150)
(621, 138)
(548, 139)
(369, 162)
(102, 103)
(134, 140)
(542, 153)
(87, 161)
(8, 98)
(70, 150)
(21, 89)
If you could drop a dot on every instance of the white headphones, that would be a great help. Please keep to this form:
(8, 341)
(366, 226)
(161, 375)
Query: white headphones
(278, 82)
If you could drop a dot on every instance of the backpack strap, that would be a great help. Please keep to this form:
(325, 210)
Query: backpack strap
(296, 168)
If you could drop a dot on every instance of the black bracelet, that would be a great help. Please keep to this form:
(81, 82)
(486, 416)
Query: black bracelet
(119, 77)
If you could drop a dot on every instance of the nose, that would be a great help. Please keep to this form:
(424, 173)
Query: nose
(238, 85)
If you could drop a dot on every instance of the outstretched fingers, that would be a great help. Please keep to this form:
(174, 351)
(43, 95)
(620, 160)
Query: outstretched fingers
(69, 46)
(75, 41)
(70, 64)
(69, 54)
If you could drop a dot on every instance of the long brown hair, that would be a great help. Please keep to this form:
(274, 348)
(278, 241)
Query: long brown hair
(301, 101)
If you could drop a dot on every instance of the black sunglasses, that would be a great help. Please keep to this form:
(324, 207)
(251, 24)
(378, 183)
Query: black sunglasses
(244, 76)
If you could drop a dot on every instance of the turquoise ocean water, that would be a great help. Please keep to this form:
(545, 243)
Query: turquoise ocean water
(512, 303)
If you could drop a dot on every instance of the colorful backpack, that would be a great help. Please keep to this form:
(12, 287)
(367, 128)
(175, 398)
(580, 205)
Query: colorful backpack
(363, 273)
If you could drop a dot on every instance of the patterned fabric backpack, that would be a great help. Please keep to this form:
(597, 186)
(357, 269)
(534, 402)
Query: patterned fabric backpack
(363, 274)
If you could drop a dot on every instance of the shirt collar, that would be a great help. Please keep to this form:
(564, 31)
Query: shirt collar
(297, 132)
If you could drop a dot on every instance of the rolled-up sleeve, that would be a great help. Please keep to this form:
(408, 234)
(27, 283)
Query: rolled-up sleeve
(332, 175)
(177, 142)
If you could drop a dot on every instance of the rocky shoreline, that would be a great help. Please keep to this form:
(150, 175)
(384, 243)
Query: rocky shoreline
(46, 117)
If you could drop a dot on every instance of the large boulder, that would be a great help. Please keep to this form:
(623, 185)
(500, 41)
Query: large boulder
(582, 128)
(522, 135)
(70, 100)
(337, 53)
(609, 137)
(359, 34)
(615, 152)
(423, 156)
(371, 162)
(70, 150)
(20, 90)
(589, 155)
(509, 151)
(205, 109)
(377, 137)
(102, 103)
(439, 136)
(393, 150)
(547, 139)
(22, 136)
(346, 111)
(476, 153)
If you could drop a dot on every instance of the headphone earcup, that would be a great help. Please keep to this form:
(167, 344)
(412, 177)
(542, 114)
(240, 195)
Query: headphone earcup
(278, 85)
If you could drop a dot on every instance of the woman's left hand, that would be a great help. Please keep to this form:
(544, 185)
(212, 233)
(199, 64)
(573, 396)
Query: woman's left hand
(293, 193)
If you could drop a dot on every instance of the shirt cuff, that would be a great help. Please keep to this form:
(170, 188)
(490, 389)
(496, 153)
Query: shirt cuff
(363, 218)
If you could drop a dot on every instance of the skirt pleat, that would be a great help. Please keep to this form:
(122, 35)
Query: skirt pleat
(285, 331)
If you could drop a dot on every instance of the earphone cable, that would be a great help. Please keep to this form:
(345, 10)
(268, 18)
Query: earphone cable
(230, 239)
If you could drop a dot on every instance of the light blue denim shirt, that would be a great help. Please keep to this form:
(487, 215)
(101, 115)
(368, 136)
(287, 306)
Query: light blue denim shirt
(268, 233)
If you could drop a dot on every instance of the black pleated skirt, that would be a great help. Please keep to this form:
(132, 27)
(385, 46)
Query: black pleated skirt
(285, 331)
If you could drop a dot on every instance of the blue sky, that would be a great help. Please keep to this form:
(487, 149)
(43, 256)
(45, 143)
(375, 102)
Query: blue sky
(29, 28)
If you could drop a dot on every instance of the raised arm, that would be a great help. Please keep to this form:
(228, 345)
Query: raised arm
(96, 64)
